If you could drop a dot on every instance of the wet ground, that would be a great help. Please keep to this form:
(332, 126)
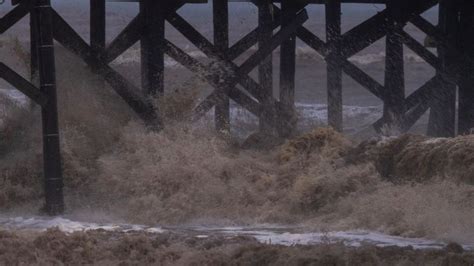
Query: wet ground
(265, 234)
(100, 247)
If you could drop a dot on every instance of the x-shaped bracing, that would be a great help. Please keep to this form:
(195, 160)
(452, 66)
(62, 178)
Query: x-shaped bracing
(222, 73)
(372, 30)
(8, 74)
(230, 74)
(224, 81)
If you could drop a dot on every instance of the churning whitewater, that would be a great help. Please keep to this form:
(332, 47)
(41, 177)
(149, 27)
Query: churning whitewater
(119, 172)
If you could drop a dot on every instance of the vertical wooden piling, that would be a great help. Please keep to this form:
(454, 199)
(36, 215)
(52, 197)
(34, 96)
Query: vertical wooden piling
(466, 83)
(334, 69)
(47, 75)
(265, 69)
(97, 24)
(394, 95)
(221, 41)
(33, 49)
(287, 121)
(152, 46)
(443, 108)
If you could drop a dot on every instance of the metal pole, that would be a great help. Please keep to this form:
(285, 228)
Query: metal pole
(47, 75)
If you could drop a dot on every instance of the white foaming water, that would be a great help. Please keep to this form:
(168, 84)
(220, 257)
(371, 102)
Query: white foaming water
(15, 95)
(66, 225)
(309, 115)
(270, 234)
(132, 56)
(356, 118)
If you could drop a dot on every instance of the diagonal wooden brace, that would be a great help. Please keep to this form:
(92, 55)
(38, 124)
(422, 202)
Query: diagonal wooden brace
(131, 34)
(233, 77)
(208, 74)
(420, 50)
(417, 103)
(22, 85)
(349, 68)
(213, 53)
(65, 35)
(12, 17)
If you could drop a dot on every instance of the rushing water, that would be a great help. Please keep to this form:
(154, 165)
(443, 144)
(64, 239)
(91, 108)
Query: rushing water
(113, 164)
(268, 234)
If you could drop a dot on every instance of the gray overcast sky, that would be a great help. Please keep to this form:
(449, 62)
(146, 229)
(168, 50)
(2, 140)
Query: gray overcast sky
(199, 9)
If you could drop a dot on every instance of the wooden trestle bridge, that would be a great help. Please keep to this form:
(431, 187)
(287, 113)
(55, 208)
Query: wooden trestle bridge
(448, 95)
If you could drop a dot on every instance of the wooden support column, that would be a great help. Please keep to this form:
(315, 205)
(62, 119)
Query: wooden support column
(33, 49)
(286, 112)
(221, 42)
(334, 67)
(443, 108)
(97, 25)
(394, 95)
(152, 43)
(265, 69)
(47, 75)
(466, 83)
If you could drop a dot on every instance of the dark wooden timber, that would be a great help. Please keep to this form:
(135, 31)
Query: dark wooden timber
(221, 42)
(228, 81)
(23, 85)
(34, 49)
(334, 68)
(265, 69)
(451, 86)
(64, 34)
(152, 43)
(443, 108)
(53, 179)
(287, 73)
(466, 83)
(130, 35)
(394, 68)
(97, 25)
(12, 17)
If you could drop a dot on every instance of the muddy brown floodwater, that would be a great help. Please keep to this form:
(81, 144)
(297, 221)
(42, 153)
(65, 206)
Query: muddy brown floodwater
(118, 171)
(107, 248)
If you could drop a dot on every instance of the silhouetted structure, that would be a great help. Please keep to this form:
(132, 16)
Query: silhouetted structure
(453, 83)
